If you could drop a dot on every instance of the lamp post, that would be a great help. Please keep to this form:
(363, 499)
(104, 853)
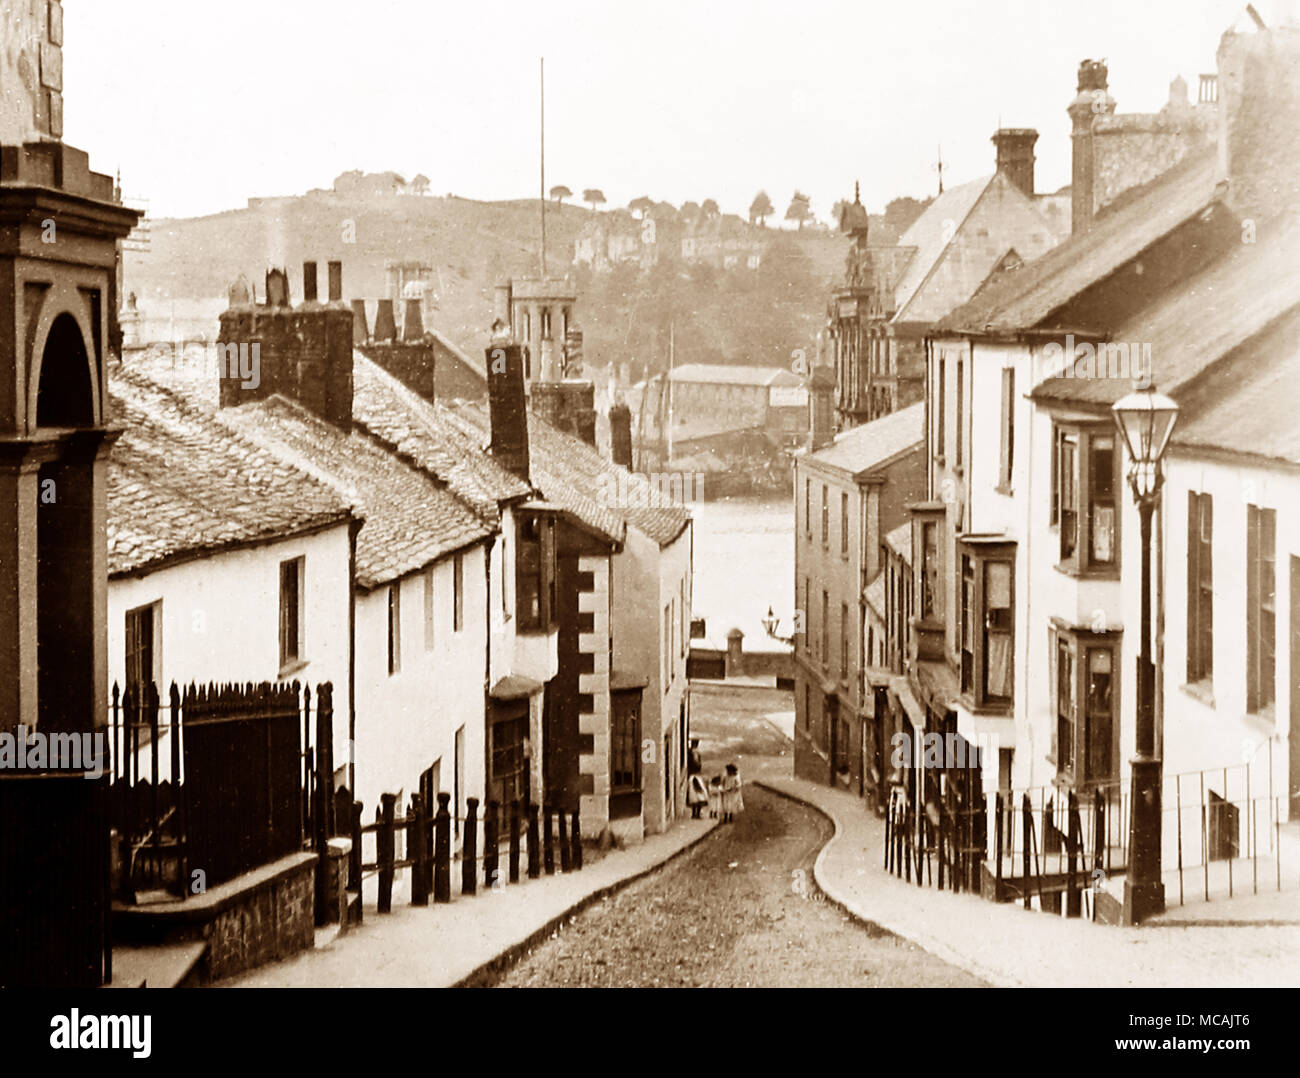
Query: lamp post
(1145, 420)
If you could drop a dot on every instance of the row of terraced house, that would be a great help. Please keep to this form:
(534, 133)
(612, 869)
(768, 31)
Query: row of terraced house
(969, 566)
(494, 622)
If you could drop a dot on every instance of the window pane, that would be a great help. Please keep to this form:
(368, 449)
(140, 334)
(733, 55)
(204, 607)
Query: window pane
(1099, 712)
(1101, 476)
(1069, 471)
(998, 641)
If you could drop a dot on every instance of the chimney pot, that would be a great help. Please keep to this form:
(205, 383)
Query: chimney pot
(336, 282)
(360, 327)
(309, 282)
(413, 322)
(385, 323)
(277, 288)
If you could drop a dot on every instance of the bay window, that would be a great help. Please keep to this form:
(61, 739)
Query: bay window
(986, 620)
(1085, 509)
(535, 573)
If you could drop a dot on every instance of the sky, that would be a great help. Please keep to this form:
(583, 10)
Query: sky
(201, 105)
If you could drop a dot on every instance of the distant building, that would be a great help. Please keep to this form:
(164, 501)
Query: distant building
(891, 297)
(712, 398)
(723, 241)
(847, 497)
(612, 239)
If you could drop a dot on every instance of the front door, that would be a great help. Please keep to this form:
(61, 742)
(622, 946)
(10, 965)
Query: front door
(1294, 739)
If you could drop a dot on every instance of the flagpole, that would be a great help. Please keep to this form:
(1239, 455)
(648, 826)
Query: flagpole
(542, 192)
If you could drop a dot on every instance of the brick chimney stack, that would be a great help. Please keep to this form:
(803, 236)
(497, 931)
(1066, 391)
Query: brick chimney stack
(336, 282)
(303, 353)
(507, 407)
(1090, 102)
(620, 435)
(1015, 155)
(821, 399)
(1259, 119)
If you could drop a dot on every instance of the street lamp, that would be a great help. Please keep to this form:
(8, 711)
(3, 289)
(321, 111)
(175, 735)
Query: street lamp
(1145, 420)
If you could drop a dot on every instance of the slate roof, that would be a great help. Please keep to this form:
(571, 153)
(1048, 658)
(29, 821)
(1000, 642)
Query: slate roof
(1248, 405)
(432, 436)
(734, 375)
(900, 541)
(574, 476)
(1123, 229)
(410, 518)
(858, 450)
(1194, 325)
(929, 235)
(181, 485)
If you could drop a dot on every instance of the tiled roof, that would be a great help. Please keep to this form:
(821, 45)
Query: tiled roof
(572, 474)
(432, 437)
(737, 375)
(180, 484)
(1203, 319)
(410, 519)
(860, 449)
(1121, 231)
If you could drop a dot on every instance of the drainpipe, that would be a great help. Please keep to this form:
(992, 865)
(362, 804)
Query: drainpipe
(354, 526)
(487, 666)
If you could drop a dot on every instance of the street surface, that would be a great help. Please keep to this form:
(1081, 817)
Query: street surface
(740, 909)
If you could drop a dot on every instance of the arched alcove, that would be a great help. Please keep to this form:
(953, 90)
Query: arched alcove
(65, 397)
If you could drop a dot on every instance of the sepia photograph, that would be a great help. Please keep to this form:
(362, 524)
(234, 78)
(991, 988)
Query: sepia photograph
(664, 495)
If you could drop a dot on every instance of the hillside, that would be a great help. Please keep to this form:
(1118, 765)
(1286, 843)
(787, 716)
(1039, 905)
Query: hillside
(737, 315)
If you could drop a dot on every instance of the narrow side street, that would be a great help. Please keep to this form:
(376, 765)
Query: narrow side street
(739, 911)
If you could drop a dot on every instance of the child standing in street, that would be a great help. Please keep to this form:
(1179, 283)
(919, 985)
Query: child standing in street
(715, 797)
(732, 801)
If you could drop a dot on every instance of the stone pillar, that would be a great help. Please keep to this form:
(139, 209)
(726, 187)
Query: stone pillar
(735, 662)
(19, 495)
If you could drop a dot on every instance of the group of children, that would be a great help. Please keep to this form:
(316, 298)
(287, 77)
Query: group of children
(722, 795)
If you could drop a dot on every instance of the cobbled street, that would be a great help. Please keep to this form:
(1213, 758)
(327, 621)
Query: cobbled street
(741, 908)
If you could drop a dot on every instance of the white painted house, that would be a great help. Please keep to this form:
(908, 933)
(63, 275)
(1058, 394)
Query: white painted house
(225, 563)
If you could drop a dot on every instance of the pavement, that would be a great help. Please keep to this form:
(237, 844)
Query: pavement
(443, 945)
(1009, 946)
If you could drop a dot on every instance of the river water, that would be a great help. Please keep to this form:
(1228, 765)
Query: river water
(744, 563)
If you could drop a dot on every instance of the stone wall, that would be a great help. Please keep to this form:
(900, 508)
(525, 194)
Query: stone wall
(270, 922)
(31, 71)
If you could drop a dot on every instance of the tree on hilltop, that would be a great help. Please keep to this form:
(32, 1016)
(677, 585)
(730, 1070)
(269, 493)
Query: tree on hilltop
(559, 193)
(800, 209)
(594, 197)
(761, 209)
